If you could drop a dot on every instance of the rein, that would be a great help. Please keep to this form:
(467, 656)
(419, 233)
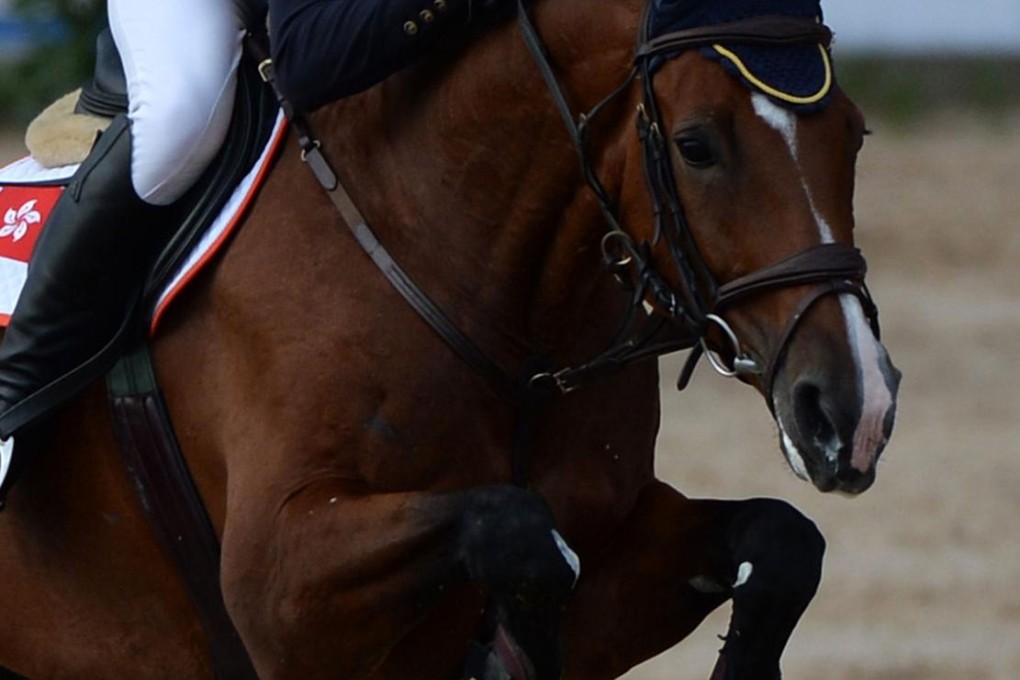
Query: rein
(696, 307)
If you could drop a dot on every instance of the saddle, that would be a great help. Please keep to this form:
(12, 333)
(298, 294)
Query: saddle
(254, 116)
(63, 136)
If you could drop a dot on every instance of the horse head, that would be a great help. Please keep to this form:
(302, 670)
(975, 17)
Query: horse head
(729, 208)
(760, 146)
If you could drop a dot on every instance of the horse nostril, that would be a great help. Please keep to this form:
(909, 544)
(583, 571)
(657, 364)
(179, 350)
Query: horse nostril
(854, 481)
(814, 423)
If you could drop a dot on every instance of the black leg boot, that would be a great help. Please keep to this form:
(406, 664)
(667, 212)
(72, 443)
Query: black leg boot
(83, 280)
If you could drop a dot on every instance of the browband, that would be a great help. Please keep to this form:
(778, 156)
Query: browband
(770, 30)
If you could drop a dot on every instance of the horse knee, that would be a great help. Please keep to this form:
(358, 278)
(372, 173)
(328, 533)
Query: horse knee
(777, 553)
(507, 538)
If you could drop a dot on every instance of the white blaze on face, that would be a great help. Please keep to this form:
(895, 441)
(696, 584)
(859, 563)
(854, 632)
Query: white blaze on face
(785, 122)
(869, 355)
(778, 118)
(877, 398)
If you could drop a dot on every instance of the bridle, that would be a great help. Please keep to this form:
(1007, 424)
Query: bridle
(688, 314)
(697, 306)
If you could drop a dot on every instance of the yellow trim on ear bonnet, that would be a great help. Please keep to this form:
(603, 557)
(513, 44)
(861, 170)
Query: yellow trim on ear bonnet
(798, 100)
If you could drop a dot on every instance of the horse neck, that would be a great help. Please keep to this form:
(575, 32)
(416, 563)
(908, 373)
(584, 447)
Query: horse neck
(464, 168)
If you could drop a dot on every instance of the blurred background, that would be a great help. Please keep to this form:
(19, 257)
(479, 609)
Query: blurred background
(922, 578)
(922, 572)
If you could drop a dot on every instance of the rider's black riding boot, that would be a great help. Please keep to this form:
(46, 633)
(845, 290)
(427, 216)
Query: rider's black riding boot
(84, 276)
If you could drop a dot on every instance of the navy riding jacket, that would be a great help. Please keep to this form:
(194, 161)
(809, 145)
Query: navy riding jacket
(327, 49)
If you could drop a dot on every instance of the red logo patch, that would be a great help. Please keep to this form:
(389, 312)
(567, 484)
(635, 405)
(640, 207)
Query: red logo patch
(23, 213)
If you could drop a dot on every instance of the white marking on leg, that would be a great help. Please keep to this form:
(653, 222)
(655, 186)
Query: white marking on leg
(573, 561)
(744, 572)
(6, 454)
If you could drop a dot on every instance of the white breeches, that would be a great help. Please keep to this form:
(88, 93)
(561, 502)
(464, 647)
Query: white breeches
(180, 59)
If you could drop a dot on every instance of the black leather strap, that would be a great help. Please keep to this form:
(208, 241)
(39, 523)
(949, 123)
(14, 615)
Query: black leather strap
(823, 262)
(311, 152)
(154, 462)
(426, 308)
(252, 124)
(767, 30)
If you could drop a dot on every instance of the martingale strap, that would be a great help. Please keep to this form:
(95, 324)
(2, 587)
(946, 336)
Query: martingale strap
(522, 392)
(691, 309)
(313, 156)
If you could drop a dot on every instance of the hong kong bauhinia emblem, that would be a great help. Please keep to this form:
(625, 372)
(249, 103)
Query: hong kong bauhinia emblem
(17, 222)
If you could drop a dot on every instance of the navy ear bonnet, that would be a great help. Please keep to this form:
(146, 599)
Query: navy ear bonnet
(796, 76)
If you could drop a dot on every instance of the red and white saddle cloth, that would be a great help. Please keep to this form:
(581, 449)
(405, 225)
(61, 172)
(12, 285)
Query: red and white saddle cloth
(28, 192)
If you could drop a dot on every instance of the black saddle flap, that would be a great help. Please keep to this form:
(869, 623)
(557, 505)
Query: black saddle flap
(255, 113)
(255, 110)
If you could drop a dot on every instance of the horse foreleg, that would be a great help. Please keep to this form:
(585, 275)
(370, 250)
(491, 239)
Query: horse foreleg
(675, 560)
(509, 541)
(778, 553)
(331, 584)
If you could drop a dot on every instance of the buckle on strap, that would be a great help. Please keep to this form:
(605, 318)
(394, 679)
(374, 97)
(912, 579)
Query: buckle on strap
(266, 70)
(553, 383)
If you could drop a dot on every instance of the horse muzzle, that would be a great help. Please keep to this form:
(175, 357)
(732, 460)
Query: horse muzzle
(836, 415)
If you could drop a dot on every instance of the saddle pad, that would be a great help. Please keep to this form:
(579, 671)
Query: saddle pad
(28, 192)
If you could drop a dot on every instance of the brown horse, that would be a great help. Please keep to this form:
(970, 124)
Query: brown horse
(358, 472)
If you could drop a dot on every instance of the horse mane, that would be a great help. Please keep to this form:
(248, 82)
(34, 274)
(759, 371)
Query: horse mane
(571, 30)
(431, 157)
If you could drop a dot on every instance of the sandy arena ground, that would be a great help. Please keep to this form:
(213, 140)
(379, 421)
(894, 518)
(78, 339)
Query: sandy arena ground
(922, 578)
(922, 575)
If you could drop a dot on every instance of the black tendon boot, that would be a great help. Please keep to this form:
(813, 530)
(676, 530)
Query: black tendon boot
(84, 277)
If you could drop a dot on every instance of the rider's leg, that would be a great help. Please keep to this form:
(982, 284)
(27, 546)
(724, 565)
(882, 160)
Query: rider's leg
(80, 279)
(102, 232)
(180, 62)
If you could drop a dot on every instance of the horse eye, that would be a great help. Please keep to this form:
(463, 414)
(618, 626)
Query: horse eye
(695, 151)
